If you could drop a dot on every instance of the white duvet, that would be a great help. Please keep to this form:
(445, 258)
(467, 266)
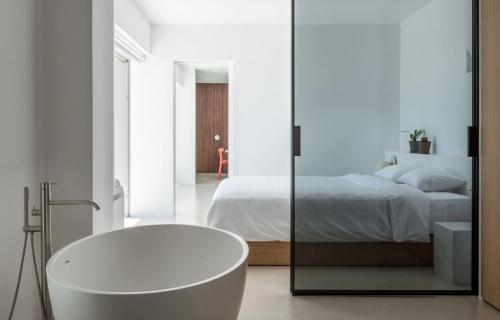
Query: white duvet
(351, 208)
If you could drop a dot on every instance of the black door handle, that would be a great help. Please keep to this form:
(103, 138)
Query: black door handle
(296, 141)
(472, 141)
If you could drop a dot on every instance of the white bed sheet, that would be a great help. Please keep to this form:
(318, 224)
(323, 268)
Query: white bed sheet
(359, 208)
(258, 209)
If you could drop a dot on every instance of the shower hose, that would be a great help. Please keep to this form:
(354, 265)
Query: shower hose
(40, 297)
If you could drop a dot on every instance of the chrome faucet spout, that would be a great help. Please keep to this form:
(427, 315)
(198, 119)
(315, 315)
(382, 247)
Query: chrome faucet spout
(44, 212)
(75, 203)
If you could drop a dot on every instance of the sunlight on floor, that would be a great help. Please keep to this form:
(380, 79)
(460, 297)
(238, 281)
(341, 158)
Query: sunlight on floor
(131, 222)
(191, 203)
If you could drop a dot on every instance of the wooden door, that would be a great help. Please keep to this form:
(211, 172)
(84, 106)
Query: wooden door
(211, 121)
(490, 151)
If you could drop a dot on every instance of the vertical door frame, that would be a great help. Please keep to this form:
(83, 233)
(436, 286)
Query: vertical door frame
(231, 117)
(124, 59)
(475, 181)
(490, 276)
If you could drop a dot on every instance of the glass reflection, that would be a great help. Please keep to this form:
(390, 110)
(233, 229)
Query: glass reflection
(383, 96)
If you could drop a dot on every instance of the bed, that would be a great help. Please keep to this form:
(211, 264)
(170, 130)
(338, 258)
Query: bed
(349, 220)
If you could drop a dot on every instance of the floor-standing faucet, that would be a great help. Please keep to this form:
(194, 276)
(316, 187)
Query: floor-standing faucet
(46, 240)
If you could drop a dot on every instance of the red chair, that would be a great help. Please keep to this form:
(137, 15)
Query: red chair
(221, 162)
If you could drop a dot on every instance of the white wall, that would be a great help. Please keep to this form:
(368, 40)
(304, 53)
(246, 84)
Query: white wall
(203, 76)
(185, 124)
(131, 19)
(68, 107)
(21, 137)
(151, 141)
(47, 126)
(101, 66)
(78, 68)
(78, 104)
(359, 85)
(347, 96)
(435, 87)
(390, 55)
(260, 121)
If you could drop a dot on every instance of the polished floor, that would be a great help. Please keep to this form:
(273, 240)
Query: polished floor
(267, 293)
(191, 203)
(371, 278)
(267, 297)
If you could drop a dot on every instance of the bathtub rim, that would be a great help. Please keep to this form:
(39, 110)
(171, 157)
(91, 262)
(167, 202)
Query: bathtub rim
(242, 259)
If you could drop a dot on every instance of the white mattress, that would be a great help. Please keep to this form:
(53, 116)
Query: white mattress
(256, 208)
(343, 209)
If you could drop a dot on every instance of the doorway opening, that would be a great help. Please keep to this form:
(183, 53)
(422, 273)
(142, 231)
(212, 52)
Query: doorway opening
(202, 154)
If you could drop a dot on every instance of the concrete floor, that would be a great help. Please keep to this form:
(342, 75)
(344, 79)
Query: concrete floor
(267, 297)
(191, 203)
(371, 278)
(267, 293)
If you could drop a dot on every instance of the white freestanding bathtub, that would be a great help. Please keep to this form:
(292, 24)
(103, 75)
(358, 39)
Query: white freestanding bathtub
(152, 272)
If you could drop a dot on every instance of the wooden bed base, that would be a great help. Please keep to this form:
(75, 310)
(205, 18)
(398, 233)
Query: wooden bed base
(277, 253)
(269, 253)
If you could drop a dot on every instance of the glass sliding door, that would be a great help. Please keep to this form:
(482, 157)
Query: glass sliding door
(384, 196)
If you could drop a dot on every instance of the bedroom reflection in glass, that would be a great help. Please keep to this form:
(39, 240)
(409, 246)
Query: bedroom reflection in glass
(383, 185)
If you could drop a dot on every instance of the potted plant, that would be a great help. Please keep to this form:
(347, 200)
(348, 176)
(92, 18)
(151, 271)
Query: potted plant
(414, 139)
(424, 145)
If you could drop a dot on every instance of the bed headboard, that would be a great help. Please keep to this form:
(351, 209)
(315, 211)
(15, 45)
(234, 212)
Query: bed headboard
(461, 166)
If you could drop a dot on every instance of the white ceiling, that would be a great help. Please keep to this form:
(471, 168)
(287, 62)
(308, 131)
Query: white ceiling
(323, 12)
(217, 12)
(277, 12)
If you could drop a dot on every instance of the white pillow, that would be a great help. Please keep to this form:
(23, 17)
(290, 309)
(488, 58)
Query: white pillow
(393, 172)
(432, 180)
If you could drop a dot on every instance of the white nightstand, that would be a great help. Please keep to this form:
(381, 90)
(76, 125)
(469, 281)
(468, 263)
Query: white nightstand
(452, 251)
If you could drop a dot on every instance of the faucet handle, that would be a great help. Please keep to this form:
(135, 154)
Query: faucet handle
(35, 211)
(26, 205)
(49, 183)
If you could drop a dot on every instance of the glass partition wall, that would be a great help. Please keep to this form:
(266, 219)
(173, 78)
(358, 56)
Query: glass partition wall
(384, 183)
